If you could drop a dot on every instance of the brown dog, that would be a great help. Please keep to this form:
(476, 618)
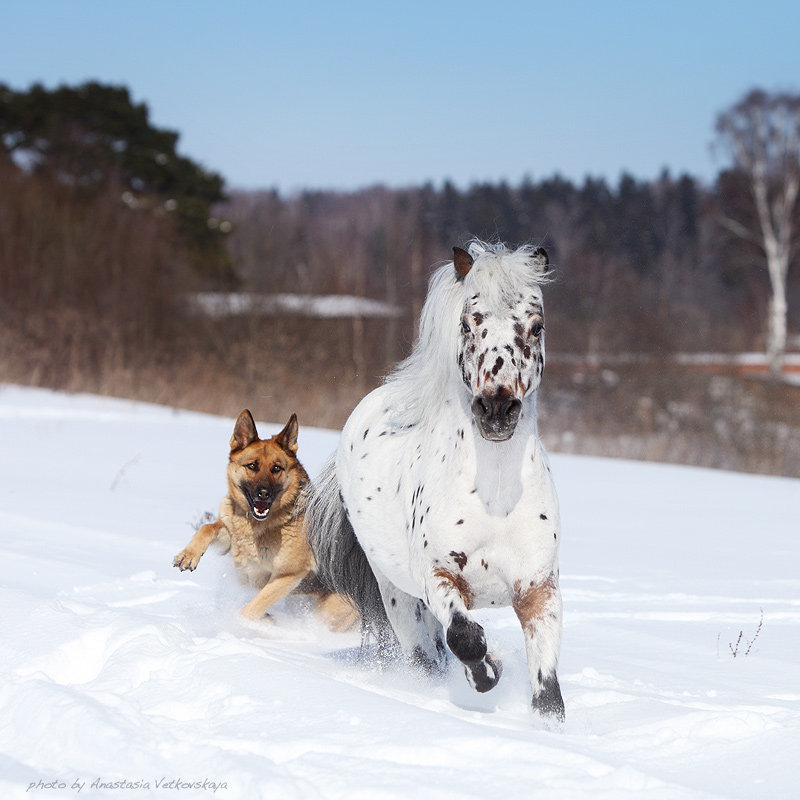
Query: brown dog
(261, 524)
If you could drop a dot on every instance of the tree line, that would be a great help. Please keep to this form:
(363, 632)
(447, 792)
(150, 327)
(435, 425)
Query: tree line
(106, 231)
(639, 264)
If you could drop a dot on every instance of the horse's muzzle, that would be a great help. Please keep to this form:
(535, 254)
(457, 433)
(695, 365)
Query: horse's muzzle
(497, 415)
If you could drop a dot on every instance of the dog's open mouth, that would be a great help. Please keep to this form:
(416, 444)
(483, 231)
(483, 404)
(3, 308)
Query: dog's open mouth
(260, 509)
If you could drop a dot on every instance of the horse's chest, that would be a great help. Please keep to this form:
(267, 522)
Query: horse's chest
(488, 555)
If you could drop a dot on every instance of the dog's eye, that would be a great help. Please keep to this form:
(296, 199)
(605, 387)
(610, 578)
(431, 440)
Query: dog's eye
(276, 468)
(252, 466)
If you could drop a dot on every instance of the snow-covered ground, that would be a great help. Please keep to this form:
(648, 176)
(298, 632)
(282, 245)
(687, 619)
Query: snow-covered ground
(117, 670)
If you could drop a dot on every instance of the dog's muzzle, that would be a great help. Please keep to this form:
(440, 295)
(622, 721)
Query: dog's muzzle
(260, 503)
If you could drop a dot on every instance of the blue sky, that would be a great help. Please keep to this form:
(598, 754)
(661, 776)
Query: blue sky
(348, 94)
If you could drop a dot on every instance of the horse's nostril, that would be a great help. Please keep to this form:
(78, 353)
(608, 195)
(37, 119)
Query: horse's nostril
(481, 406)
(501, 407)
(510, 408)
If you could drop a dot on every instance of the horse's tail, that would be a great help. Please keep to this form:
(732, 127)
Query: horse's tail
(340, 562)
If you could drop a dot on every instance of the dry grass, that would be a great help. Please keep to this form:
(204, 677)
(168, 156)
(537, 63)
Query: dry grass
(320, 369)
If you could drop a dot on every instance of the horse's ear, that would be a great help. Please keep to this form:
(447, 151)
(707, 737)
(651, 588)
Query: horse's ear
(462, 261)
(287, 438)
(540, 261)
(244, 432)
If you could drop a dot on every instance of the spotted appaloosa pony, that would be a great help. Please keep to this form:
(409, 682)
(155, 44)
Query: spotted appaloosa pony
(439, 499)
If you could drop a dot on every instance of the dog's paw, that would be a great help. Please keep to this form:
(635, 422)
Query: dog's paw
(252, 616)
(186, 559)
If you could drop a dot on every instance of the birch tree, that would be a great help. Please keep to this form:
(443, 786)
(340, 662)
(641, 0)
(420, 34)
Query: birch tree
(761, 133)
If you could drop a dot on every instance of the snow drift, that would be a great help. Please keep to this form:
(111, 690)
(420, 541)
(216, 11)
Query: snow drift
(121, 677)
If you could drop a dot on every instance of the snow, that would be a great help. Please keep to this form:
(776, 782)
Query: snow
(219, 305)
(121, 677)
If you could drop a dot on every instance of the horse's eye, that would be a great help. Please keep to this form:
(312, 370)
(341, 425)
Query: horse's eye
(536, 329)
(464, 326)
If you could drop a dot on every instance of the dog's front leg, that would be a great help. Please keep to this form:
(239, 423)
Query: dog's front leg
(275, 590)
(189, 557)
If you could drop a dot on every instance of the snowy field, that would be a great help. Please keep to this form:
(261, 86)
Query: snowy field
(119, 671)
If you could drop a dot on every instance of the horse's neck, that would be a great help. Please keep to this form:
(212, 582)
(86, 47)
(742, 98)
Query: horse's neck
(498, 465)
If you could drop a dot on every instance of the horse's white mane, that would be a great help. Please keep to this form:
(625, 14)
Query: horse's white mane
(420, 384)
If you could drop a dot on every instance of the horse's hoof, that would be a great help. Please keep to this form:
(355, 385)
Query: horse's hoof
(483, 675)
(549, 702)
(422, 661)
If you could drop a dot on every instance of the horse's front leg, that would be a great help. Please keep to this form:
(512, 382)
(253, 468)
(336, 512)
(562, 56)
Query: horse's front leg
(449, 597)
(538, 608)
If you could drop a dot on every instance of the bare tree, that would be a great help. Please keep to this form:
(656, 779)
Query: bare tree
(762, 135)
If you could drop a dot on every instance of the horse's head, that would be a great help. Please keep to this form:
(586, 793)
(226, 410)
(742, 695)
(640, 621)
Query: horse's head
(501, 344)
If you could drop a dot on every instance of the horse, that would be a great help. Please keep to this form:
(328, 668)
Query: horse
(439, 499)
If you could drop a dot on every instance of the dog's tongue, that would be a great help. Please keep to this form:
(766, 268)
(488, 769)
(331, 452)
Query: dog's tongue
(261, 508)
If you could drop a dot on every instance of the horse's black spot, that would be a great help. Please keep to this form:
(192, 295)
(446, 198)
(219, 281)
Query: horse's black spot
(460, 522)
(510, 349)
(549, 701)
(424, 542)
(484, 333)
(369, 498)
(518, 329)
(526, 351)
(418, 613)
(394, 601)
(497, 365)
(481, 359)
(365, 433)
(555, 536)
(478, 317)
(466, 639)
(542, 516)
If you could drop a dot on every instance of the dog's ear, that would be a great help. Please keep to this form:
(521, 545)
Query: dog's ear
(244, 432)
(287, 438)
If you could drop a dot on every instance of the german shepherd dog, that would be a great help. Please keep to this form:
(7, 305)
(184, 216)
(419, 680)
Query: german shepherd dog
(261, 524)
